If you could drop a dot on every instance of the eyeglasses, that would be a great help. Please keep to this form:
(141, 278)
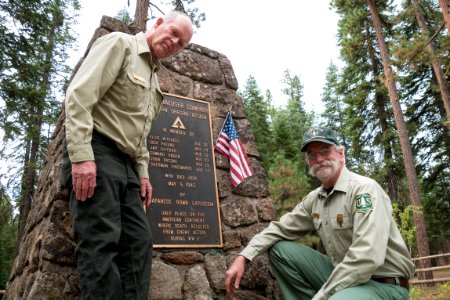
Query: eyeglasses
(325, 152)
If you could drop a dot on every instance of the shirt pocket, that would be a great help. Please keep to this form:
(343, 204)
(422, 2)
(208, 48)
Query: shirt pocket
(342, 236)
(345, 222)
(137, 93)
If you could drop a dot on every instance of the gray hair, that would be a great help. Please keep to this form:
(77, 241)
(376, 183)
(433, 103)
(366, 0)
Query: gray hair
(340, 147)
(175, 14)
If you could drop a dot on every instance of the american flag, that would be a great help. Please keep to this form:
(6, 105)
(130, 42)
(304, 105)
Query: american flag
(229, 145)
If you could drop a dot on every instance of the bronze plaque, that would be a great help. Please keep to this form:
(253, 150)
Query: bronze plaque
(184, 210)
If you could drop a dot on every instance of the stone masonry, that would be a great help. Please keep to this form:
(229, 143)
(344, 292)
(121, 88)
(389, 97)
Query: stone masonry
(45, 267)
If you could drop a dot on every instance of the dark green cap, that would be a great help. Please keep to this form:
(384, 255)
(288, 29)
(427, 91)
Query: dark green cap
(319, 134)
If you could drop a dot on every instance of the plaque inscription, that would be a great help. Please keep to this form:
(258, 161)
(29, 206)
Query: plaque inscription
(184, 210)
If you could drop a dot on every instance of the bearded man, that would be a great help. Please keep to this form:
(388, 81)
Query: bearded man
(366, 256)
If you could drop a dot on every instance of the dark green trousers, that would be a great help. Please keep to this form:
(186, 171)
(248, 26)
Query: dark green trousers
(301, 272)
(111, 230)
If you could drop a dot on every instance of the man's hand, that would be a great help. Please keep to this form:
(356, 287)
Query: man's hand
(234, 274)
(83, 179)
(146, 192)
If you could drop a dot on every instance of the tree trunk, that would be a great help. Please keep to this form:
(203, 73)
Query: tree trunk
(23, 207)
(445, 6)
(34, 133)
(419, 220)
(435, 61)
(28, 179)
(444, 127)
(141, 14)
(380, 101)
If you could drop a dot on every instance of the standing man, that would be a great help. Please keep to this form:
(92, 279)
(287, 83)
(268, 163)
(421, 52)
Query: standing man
(366, 257)
(109, 107)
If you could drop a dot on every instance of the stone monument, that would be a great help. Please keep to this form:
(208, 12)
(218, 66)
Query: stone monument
(45, 267)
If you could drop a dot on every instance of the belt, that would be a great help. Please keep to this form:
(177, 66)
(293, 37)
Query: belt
(401, 281)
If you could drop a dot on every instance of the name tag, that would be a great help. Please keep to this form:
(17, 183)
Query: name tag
(137, 77)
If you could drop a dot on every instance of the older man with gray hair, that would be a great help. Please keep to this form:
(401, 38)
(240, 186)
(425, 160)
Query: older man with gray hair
(110, 106)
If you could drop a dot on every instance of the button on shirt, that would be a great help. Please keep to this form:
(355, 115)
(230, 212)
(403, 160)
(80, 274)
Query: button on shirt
(360, 244)
(116, 92)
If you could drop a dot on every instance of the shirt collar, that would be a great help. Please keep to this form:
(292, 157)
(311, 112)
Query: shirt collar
(142, 48)
(342, 182)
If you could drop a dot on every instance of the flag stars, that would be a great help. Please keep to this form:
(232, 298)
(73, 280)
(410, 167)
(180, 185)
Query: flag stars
(229, 145)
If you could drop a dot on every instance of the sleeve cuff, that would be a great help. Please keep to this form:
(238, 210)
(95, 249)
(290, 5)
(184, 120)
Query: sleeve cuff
(142, 171)
(80, 153)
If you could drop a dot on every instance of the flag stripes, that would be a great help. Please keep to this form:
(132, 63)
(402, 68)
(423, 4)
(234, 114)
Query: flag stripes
(230, 146)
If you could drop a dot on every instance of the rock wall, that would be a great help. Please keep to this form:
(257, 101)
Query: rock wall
(45, 267)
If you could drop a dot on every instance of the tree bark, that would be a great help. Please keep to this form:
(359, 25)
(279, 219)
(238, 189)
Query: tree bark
(444, 127)
(419, 220)
(445, 6)
(141, 14)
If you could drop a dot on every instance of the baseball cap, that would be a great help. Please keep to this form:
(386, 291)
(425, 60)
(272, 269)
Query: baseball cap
(319, 134)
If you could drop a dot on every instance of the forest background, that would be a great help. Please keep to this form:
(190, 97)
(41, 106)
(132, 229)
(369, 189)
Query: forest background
(389, 103)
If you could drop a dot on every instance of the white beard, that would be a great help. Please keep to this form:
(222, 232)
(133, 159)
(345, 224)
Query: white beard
(325, 170)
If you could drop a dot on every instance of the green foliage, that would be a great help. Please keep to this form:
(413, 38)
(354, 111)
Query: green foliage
(257, 109)
(124, 16)
(37, 35)
(358, 107)
(405, 223)
(293, 118)
(278, 135)
(436, 203)
(8, 237)
(357, 102)
(284, 136)
(288, 183)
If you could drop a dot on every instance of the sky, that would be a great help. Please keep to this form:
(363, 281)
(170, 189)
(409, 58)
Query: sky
(259, 39)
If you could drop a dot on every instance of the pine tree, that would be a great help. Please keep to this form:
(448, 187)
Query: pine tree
(334, 114)
(425, 112)
(288, 178)
(257, 109)
(413, 184)
(8, 236)
(369, 125)
(435, 61)
(39, 36)
(298, 119)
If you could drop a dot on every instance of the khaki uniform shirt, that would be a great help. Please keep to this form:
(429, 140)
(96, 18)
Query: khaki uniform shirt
(115, 92)
(356, 227)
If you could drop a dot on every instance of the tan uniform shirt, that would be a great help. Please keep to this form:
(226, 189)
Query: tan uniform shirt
(356, 227)
(115, 92)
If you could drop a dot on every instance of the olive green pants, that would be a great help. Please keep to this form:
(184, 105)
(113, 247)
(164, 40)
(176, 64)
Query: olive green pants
(111, 230)
(301, 272)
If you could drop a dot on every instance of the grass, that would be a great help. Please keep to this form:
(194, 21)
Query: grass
(440, 291)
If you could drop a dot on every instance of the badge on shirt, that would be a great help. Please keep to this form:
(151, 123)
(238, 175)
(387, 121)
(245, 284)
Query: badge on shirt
(340, 219)
(137, 77)
(363, 203)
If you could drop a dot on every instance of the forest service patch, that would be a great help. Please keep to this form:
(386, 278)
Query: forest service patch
(363, 203)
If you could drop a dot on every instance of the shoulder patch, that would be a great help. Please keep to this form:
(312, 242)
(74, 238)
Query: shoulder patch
(363, 203)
